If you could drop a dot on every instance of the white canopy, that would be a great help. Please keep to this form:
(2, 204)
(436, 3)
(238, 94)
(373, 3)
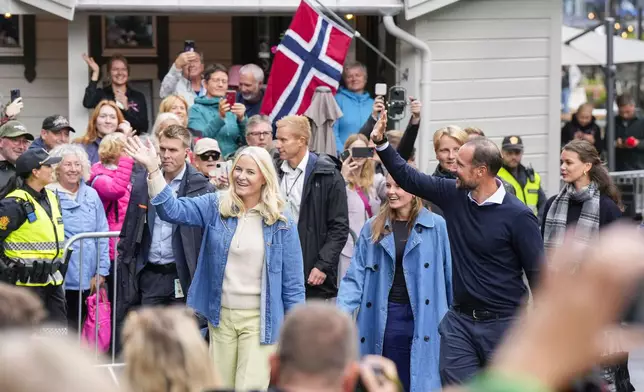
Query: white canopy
(590, 49)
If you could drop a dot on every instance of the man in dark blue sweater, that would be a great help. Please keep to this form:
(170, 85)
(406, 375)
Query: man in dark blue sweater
(494, 239)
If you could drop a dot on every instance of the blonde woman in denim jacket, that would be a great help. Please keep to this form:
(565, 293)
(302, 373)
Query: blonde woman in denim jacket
(250, 268)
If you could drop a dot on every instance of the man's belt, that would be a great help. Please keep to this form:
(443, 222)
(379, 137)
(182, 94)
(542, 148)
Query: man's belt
(479, 314)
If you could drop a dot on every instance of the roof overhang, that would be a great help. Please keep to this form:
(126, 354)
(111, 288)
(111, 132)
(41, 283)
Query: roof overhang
(241, 7)
(62, 8)
(416, 8)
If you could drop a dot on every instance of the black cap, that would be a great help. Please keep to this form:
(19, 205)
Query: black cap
(512, 143)
(34, 159)
(56, 123)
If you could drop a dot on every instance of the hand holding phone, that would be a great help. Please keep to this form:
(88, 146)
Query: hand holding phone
(381, 89)
(15, 94)
(231, 97)
(188, 45)
(362, 152)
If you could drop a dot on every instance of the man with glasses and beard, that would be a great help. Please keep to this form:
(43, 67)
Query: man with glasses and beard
(494, 239)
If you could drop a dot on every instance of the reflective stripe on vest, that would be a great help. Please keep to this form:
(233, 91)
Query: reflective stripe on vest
(41, 240)
(529, 194)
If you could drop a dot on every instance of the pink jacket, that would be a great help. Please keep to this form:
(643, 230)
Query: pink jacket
(114, 188)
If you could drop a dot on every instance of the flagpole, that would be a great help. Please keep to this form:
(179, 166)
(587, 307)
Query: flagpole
(404, 74)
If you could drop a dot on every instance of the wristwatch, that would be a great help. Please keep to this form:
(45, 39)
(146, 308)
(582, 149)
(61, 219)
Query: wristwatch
(382, 141)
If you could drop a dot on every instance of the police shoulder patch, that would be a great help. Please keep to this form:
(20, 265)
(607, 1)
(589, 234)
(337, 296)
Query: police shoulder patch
(4, 222)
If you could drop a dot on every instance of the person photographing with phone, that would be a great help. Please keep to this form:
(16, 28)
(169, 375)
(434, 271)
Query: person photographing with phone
(362, 196)
(184, 77)
(13, 108)
(217, 115)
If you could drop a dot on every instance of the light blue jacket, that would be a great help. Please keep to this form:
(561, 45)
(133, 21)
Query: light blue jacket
(282, 275)
(204, 117)
(427, 265)
(356, 109)
(83, 215)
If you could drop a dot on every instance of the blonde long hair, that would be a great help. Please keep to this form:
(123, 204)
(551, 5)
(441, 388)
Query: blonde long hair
(365, 181)
(164, 351)
(388, 214)
(271, 202)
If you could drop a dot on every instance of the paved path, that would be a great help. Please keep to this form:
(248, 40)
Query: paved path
(636, 367)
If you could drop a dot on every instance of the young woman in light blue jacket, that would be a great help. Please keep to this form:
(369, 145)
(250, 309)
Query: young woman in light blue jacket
(250, 269)
(400, 279)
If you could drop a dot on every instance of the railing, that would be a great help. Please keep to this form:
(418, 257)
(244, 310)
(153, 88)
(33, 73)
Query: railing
(112, 368)
(631, 184)
(96, 236)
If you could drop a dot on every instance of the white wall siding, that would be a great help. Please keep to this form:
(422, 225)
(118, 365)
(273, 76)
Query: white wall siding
(493, 64)
(47, 94)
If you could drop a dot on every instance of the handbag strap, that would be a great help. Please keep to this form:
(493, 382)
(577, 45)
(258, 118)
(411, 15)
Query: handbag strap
(365, 201)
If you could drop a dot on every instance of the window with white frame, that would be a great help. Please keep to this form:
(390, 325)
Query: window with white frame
(11, 38)
(129, 35)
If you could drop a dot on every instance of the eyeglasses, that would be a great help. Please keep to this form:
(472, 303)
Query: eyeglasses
(209, 154)
(259, 134)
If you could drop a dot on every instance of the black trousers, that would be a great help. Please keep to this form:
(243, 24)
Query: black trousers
(54, 301)
(156, 285)
(72, 309)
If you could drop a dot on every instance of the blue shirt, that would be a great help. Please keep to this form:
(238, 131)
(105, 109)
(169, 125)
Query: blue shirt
(92, 150)
(161, 247)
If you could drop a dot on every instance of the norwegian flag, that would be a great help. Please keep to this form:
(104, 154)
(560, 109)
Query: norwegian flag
(311, 54)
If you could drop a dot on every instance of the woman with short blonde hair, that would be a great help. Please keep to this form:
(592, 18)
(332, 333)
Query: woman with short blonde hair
(250, 270)
(164, 351)
(177, 105)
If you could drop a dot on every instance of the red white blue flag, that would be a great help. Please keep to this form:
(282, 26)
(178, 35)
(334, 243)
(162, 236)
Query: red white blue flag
(311, 54)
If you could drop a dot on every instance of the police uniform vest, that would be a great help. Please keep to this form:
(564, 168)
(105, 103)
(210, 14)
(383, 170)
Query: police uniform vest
(529, 194)
(41, 238)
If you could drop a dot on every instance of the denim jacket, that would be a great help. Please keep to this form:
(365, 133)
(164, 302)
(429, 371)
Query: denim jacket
(427, 265)
(282, 275)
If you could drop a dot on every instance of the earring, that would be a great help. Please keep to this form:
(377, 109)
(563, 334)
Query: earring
(585, 173)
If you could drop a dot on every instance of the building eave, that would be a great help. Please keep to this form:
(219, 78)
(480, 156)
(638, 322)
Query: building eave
(417, 8)
(241, 7)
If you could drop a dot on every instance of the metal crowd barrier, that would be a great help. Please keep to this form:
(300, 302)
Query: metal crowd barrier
(631, 186)
(114, 370)
(96, 236)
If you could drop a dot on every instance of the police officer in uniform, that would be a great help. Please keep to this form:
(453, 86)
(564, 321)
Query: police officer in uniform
(32, 234)
(526, 182)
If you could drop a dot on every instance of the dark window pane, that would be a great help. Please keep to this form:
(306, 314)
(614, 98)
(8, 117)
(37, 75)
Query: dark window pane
(10, 32)
(129, 32)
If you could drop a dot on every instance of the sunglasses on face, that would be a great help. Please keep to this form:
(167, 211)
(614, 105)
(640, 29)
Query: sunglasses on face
(210, 154)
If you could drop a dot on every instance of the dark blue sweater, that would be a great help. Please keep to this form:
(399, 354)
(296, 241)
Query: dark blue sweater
(492, 245)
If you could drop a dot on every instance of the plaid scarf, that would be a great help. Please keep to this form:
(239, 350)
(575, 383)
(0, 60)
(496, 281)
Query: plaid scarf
(586, 228)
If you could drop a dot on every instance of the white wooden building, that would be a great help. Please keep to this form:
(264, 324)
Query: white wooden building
(495, 63)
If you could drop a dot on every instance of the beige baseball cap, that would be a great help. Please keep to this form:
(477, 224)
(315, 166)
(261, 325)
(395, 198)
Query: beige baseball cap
(206, 144)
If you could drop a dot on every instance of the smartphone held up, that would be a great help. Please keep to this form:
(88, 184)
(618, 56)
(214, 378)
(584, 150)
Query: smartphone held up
(189, 45)
(15, 94)
(231, 97)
